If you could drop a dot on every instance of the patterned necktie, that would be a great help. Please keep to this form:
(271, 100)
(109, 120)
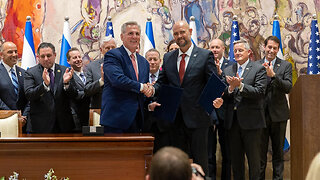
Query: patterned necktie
(51, 79)
(240, 71)
(269, 78)
(182, 67)
(134, 64)
(83, 78)
(153, 78)
(15, 82)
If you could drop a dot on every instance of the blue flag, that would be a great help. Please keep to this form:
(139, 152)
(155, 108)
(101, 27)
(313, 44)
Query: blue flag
(28, 53)
(109, 29)
(234, 37)
(276, 32)
(66, 43)
(314, 49)
(148, 39)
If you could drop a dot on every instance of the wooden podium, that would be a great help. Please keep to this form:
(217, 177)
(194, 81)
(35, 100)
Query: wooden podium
(304, 124)
(118, 156)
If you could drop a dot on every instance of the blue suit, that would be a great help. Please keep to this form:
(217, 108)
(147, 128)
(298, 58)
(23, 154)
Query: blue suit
(121, 96)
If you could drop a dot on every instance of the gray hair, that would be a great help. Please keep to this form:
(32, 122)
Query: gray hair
(242, 41)
(106, 39)
(124, 26)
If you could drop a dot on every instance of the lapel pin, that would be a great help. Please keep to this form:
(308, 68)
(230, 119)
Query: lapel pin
(195, 55)
(58, 70)
(247, 68)
(20, 73)
(278, 64)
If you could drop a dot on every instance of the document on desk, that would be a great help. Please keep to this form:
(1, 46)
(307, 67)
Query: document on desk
(213, 89)
(169, 98)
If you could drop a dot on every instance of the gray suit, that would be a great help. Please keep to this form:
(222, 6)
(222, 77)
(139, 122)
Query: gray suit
(277, 114)
(244, 118)
(93, 88)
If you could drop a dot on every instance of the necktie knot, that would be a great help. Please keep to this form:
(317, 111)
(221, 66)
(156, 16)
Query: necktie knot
(240, 71)
(183, 55)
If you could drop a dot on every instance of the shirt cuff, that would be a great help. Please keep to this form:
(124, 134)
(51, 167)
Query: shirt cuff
(229, 91)
(241, 87)
(101, 83)
(47, 88)
(141, 87)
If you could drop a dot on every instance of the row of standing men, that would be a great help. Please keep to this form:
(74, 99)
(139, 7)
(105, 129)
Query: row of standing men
(254, 107)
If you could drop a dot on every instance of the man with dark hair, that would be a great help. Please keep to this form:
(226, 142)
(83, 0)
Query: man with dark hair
(279, 78)
(49, 86)
(244, 117)
(125, 84)
(79, 104)
(12, 95)
(94, 73)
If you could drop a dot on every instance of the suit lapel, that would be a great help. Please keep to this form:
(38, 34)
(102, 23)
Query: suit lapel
(5, 75)
(172, 67)
(78, 80)
(247, 69)
(277, 65)
(128, 62)
(141, 68)
(192, 61)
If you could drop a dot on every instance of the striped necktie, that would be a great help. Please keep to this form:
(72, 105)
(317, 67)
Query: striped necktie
(83, 78)
(15, 82)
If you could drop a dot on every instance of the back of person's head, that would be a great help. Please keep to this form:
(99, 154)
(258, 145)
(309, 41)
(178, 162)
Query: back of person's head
(314, 169)
(170, 163)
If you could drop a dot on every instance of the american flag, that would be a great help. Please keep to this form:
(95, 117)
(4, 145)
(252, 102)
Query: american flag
(314, 49)
(234, 37)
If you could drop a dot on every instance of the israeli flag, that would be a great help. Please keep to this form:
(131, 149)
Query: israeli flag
(109, 29)
(235, 36)
(66, 43)
(192, 25)
(28, 53)
(148, 38)
(276, 32)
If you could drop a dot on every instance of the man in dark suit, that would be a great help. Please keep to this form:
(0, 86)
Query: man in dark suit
(79, 104)
(244, 117)
(12, 95)
(279, 80)
(125, 84)
(217, 47)
(94, 73)
(188, 67)
(49, 86)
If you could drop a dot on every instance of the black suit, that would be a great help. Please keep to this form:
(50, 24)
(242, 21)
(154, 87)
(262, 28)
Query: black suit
(218, 117)
(190, 132)
(50, 111)
(8, 98)
(244, 118)
(93, 88)
(277, 114)
(80, 104)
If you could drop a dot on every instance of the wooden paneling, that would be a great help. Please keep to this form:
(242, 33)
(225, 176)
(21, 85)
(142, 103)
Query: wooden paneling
(110, 157)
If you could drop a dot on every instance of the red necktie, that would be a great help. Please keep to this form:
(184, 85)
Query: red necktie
(134, 64)
(182, 67)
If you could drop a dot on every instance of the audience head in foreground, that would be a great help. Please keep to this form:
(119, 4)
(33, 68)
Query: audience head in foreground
(172, 163)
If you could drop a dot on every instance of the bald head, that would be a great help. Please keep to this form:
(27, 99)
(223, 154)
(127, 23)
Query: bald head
(217, 47)
(9, 53)
(182, 35)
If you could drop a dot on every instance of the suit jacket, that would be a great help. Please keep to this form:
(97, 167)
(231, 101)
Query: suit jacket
(277, 88)
(221, 111)
(48, 108)
(80, 104)
(8, 98)
(199, 70)
(92, 88)
(249, 103)
(121, 96)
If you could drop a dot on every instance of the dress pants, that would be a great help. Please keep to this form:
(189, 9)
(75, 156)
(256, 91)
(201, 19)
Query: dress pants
(276, 131)
(244, 142)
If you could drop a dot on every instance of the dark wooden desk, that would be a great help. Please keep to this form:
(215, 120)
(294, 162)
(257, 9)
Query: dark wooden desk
(118, 156)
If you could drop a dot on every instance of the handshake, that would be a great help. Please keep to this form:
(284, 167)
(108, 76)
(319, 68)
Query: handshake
(148, 89)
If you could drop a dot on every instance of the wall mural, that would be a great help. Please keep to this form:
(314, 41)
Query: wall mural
(213, 20)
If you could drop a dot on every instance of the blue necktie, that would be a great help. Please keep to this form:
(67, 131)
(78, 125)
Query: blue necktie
(240, 71)
(83, 78)
(14, 81)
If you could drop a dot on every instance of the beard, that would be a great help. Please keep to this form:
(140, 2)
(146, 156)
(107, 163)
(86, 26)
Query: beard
(183, 43)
